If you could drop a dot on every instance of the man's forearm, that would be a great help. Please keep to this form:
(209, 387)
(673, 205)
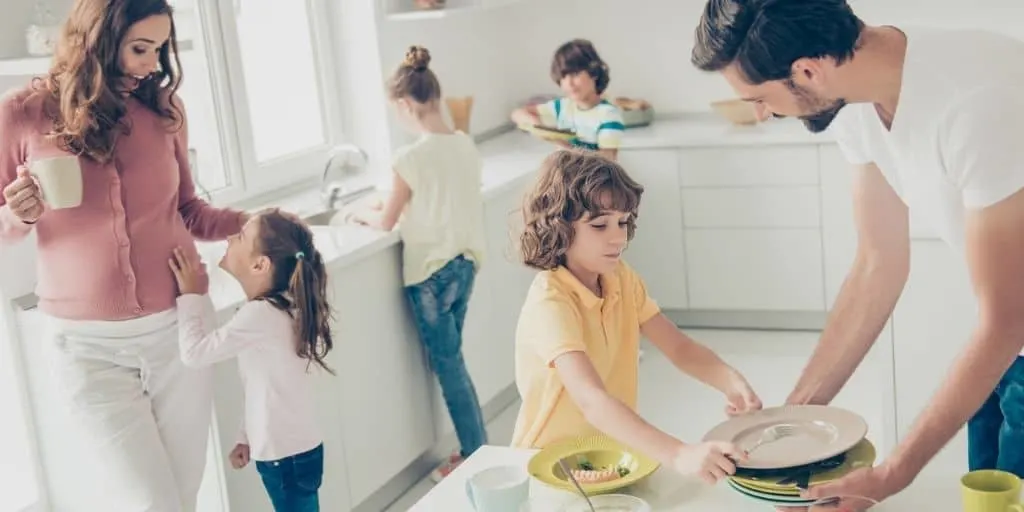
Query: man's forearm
(970, 382)
(864, 304)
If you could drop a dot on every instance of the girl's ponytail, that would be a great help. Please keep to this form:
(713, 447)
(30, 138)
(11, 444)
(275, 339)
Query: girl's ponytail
(308, 289)
(298, 283)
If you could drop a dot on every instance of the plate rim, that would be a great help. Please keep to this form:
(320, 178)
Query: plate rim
(546, 133)
(572, 445)
(862, 428)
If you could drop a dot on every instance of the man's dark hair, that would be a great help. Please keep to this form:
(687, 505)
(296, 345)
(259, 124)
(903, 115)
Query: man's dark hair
(765, 37)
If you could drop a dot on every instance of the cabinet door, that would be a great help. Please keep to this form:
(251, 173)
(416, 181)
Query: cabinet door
(656, 253)
(755, 269)
(383, 387)
(932, 323)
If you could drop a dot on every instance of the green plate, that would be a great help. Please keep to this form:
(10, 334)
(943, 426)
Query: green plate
(862, 455)
(601, 452)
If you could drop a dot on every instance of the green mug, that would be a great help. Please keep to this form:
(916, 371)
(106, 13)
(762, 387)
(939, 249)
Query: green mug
(990, 490)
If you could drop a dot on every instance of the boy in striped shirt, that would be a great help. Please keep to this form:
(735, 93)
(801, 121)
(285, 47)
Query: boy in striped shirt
(583, 77)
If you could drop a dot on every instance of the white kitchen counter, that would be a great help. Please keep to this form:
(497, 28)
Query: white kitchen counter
(508, 160)
(665, 490)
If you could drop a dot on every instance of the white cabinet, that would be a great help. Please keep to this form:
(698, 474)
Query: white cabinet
(752, 218)
(749, 269)
(752, 207)
(657, 252)
(383, 388)
(750, 166)
(932, 323)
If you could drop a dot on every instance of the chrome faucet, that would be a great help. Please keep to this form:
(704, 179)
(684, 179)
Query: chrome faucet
(354, 161)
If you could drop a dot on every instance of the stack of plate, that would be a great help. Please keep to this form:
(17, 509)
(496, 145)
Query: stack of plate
(822, 444)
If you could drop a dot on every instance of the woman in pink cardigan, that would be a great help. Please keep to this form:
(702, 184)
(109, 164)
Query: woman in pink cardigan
(109, 98)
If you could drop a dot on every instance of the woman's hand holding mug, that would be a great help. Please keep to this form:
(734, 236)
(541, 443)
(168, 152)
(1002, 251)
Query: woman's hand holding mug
(24, 197)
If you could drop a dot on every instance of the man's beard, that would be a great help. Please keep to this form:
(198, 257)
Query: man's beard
(820, 121)
(823, 112)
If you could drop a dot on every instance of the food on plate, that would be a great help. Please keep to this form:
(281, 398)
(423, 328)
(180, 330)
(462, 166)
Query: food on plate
(587, 474)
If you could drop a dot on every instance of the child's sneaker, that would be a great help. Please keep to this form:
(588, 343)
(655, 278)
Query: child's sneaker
(446, 468)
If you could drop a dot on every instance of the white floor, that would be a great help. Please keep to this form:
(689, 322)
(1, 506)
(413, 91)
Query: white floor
(771, 361)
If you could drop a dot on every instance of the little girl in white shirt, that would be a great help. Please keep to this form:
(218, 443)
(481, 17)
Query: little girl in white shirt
(278, 336)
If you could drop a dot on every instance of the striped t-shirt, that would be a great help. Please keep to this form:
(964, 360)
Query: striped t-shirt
(598, 127)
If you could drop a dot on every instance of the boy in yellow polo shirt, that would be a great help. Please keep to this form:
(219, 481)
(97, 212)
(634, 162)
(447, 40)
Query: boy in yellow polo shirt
(579, 330)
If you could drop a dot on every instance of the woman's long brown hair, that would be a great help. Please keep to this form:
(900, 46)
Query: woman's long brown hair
(86, 109)
(298, 282)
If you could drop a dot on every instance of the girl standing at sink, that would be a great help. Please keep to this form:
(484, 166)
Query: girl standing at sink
(437, 185)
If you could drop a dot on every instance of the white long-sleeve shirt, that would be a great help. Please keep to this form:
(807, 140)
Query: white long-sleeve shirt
(280, 416)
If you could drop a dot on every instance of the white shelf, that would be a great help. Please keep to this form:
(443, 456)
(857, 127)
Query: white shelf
(32, 66)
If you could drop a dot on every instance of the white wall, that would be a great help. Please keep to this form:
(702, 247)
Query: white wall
(474, 54)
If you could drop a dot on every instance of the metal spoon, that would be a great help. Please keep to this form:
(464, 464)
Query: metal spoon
(565, 469)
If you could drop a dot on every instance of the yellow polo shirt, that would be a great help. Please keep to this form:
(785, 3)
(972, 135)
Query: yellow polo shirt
(561, 315)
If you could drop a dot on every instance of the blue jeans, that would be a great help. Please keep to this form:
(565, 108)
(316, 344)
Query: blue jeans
(293, 482)
(995, 435)
(439, 306)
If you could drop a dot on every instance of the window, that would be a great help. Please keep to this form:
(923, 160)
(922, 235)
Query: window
(19, 489)
(255, 73)
(280, 78)
(210, 171)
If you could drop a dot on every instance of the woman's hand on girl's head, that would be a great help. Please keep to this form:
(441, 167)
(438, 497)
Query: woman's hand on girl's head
(190, 273)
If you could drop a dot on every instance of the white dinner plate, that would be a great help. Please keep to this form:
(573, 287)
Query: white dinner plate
(818, 432)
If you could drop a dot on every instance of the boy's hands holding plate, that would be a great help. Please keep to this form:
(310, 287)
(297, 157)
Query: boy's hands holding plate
(549, 132)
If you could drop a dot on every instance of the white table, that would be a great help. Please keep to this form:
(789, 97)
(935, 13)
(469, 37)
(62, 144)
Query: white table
(666, 490)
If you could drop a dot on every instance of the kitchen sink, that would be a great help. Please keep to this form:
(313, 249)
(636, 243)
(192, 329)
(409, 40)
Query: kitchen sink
(326, 217)
(323, 218)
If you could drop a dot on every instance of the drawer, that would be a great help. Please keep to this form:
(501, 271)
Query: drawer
(752, 207)
(746, 166)
(746, 269)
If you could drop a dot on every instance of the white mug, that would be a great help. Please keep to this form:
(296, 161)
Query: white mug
(498, 489)
(59, 179)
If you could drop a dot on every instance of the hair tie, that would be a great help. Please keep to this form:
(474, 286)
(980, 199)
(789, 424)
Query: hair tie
(299, 255)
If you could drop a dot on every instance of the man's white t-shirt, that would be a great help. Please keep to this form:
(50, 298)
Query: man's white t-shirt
(957, 139)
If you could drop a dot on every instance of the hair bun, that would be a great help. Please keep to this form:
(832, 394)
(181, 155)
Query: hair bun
(417, 58)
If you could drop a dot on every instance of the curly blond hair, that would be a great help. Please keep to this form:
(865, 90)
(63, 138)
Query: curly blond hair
(572, 183)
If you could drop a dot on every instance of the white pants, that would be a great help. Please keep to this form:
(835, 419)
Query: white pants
(141, 415)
